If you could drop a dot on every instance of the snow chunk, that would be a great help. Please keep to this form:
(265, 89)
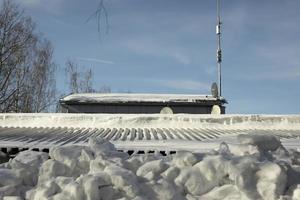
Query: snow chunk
(225, 192)
(32, 158)
(152, 169)
(8, 178)
(271, 181)
(44, 191)
(101, 146)
(203, 176)
(184, 158)
(240, 171)
(11, 198)
(263, 142)
(123, 179)
(97, 186)
(171, 173)
(164, 190)
(51, 169)
(296, 193)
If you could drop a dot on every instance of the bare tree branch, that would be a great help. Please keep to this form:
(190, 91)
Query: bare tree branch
(98, 15)
(27, 81)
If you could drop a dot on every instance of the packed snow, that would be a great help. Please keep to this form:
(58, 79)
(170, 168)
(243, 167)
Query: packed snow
(259, 167)
(123, 97)
(268, 122)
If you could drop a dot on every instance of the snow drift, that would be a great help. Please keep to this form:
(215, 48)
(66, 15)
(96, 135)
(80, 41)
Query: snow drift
(257, 168)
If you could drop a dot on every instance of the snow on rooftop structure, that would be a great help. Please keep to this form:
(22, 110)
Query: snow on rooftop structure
(140, 103)
(141, 133)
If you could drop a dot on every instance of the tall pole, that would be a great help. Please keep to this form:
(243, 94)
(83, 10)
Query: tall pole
(219, 51)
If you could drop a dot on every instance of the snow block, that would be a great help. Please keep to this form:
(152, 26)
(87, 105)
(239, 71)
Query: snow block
(152, 169)
(183, 159)
(271, 181)
(263, 142)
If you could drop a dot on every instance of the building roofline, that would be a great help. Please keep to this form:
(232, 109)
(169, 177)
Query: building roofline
(136, 98)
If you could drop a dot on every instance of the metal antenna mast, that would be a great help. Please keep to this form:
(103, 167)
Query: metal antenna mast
(219, 51)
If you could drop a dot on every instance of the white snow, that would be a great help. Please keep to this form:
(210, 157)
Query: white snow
(251, 169)
(131, 97)
(224, 122)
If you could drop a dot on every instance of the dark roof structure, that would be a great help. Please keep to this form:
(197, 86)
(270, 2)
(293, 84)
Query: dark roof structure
(140, 103)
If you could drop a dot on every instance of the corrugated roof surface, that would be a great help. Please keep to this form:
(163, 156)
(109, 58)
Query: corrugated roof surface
(140, 132)
(127, 137)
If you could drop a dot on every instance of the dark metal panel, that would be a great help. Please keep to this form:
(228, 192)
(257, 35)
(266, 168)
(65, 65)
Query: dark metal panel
(154, 133)
(175, 133)
(147, 133)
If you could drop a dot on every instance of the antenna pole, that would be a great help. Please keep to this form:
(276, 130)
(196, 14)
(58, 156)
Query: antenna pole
(219, 51)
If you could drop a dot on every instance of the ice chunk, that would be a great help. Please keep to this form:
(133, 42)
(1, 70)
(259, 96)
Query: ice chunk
(244, 149)
(101, 146)
(70, 190)
(213, 168)
(152, 169)
(67, 155)
(76, 158)
(245, 171)
(8, 177)
(171, 173)
(184, 158)
(165, 190)
(296, 193)
(123, 179)
(203, 176)
(262, 141)
(32, 158)
(12, 198)
(271, 181)
(44, 191)
(96, 186)
(133, 163)
(192, 181)
(241, 171)
(52, 168)
(225, 192)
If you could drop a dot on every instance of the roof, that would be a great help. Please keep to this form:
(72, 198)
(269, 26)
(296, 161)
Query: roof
(145, 139)
(136, 97)
(140, 132)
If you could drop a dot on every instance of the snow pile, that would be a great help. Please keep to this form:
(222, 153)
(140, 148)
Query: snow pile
(258, 168)
(223, 122)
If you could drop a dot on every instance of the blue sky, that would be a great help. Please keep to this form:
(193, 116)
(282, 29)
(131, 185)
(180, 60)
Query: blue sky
(169, 46)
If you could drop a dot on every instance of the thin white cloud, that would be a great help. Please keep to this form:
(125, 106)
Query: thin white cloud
(278, 74)
(185, 85)
(30, 2)
(148, 46)
(281, 61)
(96, 60)
(52, 6)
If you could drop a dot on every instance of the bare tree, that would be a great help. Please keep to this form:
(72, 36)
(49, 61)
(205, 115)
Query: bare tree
(82, 81)
(105, 89)
(86, 84)
(79, 82)
(73, 76)
(40, 89)
(26, 71)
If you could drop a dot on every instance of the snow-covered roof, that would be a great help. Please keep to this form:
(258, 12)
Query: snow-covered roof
(139, 132)
(136, 97)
